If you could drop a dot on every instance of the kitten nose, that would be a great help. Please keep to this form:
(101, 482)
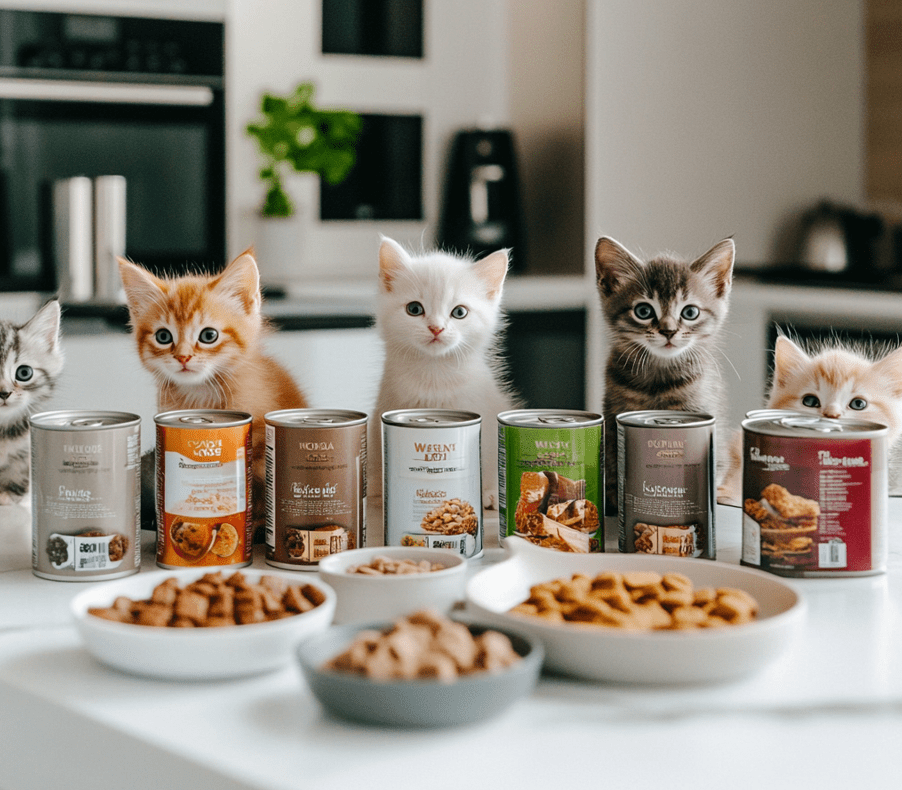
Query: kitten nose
(5, 395)
(436, 330)
(668, 333)
(832, 412)
(183, 358)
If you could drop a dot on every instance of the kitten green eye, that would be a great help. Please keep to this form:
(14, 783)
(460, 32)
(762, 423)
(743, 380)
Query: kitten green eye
(858, 404)
(415, 308)
(644, 311)
(690, 312)
(459, 312)
(24, 373)
(811, 401)
(208, 335)
(163, 337)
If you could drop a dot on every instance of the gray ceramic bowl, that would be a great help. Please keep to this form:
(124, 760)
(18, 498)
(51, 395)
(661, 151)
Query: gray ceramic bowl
(416, 703)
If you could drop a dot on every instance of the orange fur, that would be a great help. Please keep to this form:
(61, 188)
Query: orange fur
(231, 373)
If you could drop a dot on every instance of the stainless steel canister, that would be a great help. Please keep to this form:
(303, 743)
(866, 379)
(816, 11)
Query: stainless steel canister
(432, 479)
(814, 496)
(666, 483)
(86, 495)
(315, 485)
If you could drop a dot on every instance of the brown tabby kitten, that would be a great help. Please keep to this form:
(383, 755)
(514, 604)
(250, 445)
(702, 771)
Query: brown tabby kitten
(201, 336)
(663, 319)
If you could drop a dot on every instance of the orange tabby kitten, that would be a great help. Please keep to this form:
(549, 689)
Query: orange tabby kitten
(201, 336)
(833, 381)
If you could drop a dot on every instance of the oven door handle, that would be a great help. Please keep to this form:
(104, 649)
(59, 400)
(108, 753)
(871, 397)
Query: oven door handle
(108, 92)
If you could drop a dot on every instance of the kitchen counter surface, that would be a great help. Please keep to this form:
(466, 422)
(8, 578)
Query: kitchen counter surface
(826, 715)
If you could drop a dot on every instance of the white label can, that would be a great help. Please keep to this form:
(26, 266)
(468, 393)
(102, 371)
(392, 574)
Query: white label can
(432, 479)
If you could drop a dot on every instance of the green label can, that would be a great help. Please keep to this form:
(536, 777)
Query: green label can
(550, 473)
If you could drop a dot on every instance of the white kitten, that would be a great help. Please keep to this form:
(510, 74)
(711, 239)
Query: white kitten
(438, 315)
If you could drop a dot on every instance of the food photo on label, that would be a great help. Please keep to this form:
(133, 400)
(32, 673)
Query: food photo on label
(420, 670)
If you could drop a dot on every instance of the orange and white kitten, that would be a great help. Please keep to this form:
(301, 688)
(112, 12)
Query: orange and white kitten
(201, 336)
(832, 381)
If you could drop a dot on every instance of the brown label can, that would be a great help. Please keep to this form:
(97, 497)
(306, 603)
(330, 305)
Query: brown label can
(814, 496)
(550, 468)
(665, 483)
(315, 485)
(203, 488)
(432, 479)
(86, 495)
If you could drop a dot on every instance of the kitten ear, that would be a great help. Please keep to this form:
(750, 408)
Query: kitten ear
(44, 325)
(890, 367)
(141, 288)
(613, 264)
(788, 359)
(392, 262)
(240, 280)
(717, 264)
(492, 270)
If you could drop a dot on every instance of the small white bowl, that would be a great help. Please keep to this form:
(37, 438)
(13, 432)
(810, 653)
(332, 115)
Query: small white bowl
(363, 598)
(659, 657)
(194, 653)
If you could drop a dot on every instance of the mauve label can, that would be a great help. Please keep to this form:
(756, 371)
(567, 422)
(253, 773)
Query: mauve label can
(665, 483)
(433, 479)
(86, 495)
(315, 485)
(814, 496)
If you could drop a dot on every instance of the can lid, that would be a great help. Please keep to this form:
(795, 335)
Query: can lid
(82, 420)
(430, 418)
(315, 418)
(550, 418)
(664, 418)
(805, 425)
(202, 418)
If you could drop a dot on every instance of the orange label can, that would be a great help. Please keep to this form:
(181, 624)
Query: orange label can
(203, 469)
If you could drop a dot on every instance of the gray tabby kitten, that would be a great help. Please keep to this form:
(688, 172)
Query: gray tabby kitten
(663, 319)
(30, 364)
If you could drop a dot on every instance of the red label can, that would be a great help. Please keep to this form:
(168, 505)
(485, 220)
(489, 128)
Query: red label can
(814, 496)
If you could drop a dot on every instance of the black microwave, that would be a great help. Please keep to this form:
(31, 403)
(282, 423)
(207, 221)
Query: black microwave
(86, 95)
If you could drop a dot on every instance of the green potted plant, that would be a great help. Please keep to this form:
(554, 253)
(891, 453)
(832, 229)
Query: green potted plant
(294, 133)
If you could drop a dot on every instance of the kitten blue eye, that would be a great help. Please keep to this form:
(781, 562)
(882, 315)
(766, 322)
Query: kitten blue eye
(208, 335)
(858, 404)
(459, 312)
(415, 308)
(690, 312)
(24, 373)
(163, 337)
(811, 401)
(643, 311)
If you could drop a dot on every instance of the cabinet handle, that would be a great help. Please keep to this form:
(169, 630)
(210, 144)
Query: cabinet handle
(111, 92)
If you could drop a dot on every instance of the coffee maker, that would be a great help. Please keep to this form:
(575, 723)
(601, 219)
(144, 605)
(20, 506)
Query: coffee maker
(481, 211)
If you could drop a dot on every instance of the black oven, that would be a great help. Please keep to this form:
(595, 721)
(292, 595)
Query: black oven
(89, 95)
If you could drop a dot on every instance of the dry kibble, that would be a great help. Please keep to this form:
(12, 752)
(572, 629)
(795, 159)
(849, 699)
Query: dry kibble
(385, 566)
(638, 601)
(214, 601)
(424, 645)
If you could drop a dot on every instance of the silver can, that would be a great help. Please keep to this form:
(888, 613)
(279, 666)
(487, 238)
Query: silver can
(665, 483)
(86, 495)
(315, 485)
(432, 479)
(814, 496)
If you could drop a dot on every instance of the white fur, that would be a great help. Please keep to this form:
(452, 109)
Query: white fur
(451, 365)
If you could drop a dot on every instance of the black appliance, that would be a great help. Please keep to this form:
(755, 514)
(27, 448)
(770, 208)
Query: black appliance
(93, 95)
(482, 210)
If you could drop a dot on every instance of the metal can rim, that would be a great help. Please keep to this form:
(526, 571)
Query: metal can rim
(174, 419)
(280, 418)
(632, 419)
(466, 418)
(508, 418)
(42, 420)
(859, 429)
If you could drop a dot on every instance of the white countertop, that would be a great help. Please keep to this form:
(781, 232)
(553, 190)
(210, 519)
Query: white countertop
(827, 715)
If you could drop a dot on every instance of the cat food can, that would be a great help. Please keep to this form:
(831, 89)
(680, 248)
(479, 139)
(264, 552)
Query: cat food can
(315, 485)
(204, 488)
(85, 495)
(432, 479)
(550, 473)
(814, 496)
(666, 483)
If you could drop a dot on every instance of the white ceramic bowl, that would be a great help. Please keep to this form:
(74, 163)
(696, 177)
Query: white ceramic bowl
(597, 653)
(363, 598)
(194, 653)
(416, 703)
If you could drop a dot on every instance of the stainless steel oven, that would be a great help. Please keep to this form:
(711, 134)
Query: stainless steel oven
(91, 95)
